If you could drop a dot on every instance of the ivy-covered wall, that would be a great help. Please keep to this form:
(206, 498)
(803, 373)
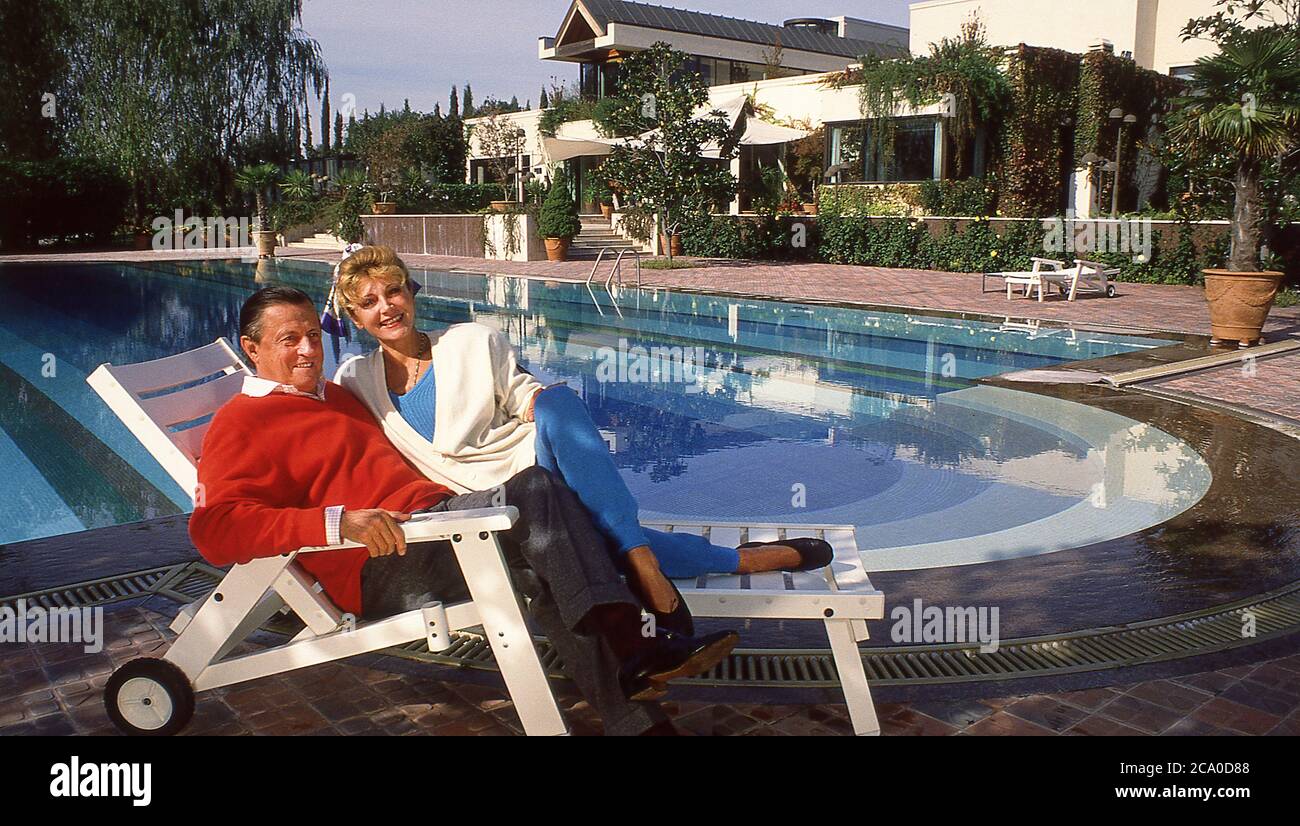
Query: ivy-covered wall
(1108, 82)
(1036, 143)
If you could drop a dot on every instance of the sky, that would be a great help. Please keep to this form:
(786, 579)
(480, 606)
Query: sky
(390, 50)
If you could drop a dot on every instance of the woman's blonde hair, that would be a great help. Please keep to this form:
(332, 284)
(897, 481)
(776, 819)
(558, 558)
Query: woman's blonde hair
(369, 262)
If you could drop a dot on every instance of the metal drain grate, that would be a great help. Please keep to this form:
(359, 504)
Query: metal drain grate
(1273, 614)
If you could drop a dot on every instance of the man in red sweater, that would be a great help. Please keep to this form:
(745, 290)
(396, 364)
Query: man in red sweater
(297, 461)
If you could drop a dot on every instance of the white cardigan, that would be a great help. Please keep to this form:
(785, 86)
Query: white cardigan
(480, 438)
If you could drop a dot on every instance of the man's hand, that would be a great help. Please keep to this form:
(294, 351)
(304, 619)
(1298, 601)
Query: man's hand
(379, 530)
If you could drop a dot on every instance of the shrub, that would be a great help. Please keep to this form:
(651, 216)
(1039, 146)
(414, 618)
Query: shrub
(559, 214)
(60, 199)
(968, 198)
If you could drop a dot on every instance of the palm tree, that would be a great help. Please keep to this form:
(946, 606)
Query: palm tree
(1245, 101)
(257, 180)
(298, 184)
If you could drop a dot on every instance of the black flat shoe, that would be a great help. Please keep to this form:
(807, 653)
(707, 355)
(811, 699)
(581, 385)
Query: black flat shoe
(672, 658)
(679, 621)
(813, 553)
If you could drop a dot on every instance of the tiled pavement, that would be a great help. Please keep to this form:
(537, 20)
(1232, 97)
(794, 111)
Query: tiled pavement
(56, 689)
(1140, 306)
(1271, 384)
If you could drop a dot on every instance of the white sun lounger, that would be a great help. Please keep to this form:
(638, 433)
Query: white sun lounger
(156, 696)
(167, 410)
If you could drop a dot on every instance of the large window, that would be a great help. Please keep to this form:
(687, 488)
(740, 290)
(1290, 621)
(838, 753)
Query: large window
(598, 80)
(913, 158)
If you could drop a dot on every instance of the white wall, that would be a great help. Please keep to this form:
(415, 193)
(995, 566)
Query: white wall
(1147, 28)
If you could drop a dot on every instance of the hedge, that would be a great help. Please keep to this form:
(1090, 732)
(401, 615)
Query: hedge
(63, 199)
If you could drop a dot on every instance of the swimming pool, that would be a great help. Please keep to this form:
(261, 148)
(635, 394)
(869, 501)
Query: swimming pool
(714, 407)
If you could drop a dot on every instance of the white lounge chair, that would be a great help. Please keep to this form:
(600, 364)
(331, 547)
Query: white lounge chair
(1092, 277)
(1045, 271)
(167, 411)
(156, 696)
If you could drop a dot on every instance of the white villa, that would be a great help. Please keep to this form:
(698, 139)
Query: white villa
(735, 58)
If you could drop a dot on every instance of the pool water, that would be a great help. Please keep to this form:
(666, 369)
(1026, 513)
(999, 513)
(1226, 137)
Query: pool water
(714, 407)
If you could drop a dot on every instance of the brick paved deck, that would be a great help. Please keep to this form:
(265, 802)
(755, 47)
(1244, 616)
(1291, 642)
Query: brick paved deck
(1268, 384)
(56, 689)
(1140, 306)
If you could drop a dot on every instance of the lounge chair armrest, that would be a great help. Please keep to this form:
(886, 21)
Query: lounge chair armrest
(1060, 265)
(430, 527)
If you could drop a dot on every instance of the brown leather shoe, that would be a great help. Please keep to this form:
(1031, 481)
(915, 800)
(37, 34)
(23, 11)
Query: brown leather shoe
(673, 658)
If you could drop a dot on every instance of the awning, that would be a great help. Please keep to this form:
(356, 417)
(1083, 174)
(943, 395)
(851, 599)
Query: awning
(579, 138)
(562, 149)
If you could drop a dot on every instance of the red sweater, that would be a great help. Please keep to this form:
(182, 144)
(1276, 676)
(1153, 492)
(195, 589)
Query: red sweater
(271, 465)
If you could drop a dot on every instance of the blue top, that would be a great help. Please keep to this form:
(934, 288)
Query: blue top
(417, 406)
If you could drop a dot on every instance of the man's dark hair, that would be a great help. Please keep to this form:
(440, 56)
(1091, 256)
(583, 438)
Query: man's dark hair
(250, 315)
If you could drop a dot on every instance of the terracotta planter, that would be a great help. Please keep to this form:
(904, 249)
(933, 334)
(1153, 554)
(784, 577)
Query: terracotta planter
(503, 206)
(557, 249)
(265, 244)
(607, 210)
(676, 245)
(809, 209)
(384, 207)
(1239, 304)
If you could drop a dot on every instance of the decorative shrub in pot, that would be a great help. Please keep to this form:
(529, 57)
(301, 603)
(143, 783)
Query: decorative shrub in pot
(558, 220)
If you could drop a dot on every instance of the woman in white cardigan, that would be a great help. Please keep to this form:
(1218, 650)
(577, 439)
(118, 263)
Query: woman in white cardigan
(459, 407)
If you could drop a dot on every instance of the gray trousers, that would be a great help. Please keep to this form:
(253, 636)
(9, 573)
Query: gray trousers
(557, 559)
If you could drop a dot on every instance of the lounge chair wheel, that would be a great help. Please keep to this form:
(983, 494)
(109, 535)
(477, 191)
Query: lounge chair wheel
(1110, 290)
(149, 697)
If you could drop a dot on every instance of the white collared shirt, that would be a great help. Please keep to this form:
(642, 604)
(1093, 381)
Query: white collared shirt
(258, 387)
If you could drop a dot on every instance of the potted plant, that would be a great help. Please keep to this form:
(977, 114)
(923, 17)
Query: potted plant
(1245, 100)
(257, 179)
(601, 195)
(385, 205)
(558, 220)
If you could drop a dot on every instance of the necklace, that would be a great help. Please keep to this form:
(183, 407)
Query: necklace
(425, 352)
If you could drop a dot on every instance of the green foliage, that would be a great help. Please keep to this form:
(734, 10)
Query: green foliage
(566, 110)
(344, 214)
(1107, 82)
(769, 237)
(869, 199)
(394, 142)
(966, 198)
(1037, 131)
(298, 184)
(638, 223)
(257, 179)
(62, 199)
(665, 173)
(292, 212)
(176, 96)
(965, 68)
(1245, 102)
(559, 214)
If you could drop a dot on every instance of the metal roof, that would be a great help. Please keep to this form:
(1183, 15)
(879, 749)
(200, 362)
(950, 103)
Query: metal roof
(730, 28)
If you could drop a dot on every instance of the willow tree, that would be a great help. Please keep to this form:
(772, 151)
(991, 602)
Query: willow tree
(171, 93)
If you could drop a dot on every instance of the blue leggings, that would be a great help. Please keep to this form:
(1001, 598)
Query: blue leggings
(569, 446)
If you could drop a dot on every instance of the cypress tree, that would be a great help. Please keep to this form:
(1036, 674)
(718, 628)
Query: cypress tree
(543, 103)
(467, 106)
(454, 107)
(325, 118)
(338, 131)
